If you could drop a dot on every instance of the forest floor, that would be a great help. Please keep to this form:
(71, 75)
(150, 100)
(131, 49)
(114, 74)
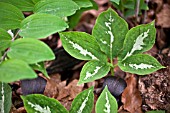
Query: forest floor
(143, 93)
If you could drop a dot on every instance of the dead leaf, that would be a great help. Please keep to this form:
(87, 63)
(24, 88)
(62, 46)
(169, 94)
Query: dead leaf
(131, 96)
(162, 17)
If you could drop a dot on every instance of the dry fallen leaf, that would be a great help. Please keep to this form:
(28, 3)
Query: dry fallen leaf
(131, 96)
(162, 17)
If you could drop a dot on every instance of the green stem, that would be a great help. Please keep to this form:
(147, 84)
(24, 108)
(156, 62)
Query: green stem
(5, 54)
(112, 68)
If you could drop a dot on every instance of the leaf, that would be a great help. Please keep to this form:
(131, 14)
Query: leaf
(83, 103)
(106, 103)
(30, 50)
(110, 31)
(74, 19)
(37, 103)
(23, 5)
(11, 16)
(115, 1)
(83, 3)
(93, 70)
(138, 40)
(40, 67)
(140, 64)
(41, 26)
(156, 111)
(35, 1)
(13, 69)
(5, 98)
(82, 46)
(61, 8)
(5, 39)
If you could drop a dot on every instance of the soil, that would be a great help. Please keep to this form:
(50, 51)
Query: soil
(143, 93)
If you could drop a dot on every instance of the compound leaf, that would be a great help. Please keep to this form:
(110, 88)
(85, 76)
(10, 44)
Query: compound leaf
(140, 64)
(37, 103)
(30, 50)
(11, 16)
(41, 25)
(106, 103)
(138, 40)
(110, 31)
(5, 98)
(14, 69)
(82, 46)
(83, 103)
(61, 8)
(93, 70)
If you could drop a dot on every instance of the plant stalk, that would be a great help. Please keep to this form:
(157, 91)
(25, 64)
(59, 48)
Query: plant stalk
(5, 54)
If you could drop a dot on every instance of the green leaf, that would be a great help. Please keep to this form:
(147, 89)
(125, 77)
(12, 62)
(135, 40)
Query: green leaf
(110, 31)
(61, 8)
(115, 1)
(129, 4)
(93, 70)
(106, 103)
(11, 16)
(156, 111)
(82, 46)
(5, 98)
(40, 67)
(140, 64)
(41, 26)
(74, 19)
(83, 103)
(30, 50)
(37, 103)
(5, 39)
(35, 1)
(138, 40)
(83, 3)
(23, 5)
(13, 69)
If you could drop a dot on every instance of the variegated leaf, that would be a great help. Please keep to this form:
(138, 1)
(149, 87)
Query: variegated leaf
(83, 103)
(5, 98)
(82, 46)
(93, 70)
(106, 103)
(61, 8)
(37, 103)
(110, 31)
(140, 64)
(138, 40)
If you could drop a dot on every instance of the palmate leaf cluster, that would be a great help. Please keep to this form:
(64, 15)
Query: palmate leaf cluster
(22, 24)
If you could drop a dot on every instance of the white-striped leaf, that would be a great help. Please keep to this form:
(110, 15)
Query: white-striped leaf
(23, 5)
(5, 39)
(138, 40)
(82, 46)
(83, 103)
(110, 31)
(5, 98)
(61, 8)
(37, 103)
(11, 16)
(13, 69)
(41, 26)
(30, 50)
(140, 64)
(106, 103)
(93, 70)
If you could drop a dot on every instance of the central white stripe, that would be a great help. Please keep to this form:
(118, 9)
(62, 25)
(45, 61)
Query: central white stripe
(84, 103)
(3, 99)
(88, 74)
(138, 43)
(107, 105)
(141, 66)
(39, 108)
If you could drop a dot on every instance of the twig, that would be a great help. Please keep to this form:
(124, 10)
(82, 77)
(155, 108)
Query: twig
(137, 10)
(5, 54)
(145, 13)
